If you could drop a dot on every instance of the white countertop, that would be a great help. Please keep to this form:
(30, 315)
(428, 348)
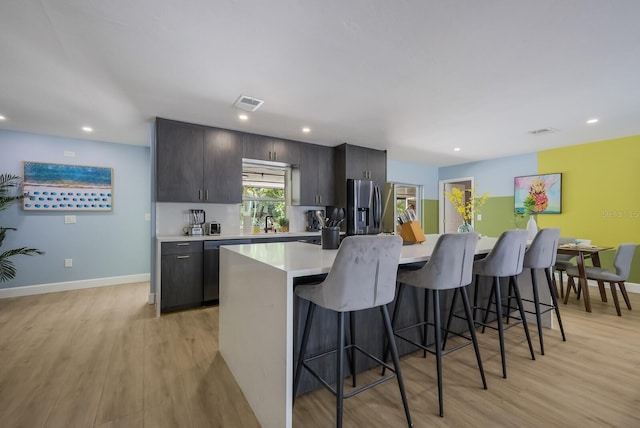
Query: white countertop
(302, 259)
(175, 238)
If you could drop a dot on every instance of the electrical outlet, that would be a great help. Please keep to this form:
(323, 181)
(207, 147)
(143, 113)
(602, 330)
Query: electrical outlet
(68, 263)
(479, 217)
(70, 219)
(69, 154)
(147, 217)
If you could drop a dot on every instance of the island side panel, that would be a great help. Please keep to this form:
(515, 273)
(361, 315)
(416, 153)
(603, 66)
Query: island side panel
(256, 334)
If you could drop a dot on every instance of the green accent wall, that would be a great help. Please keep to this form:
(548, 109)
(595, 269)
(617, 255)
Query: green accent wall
(430, 215)
(497, 216)
(599, 198)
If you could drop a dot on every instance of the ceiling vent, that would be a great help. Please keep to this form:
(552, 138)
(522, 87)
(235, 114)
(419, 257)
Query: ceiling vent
(248, 103)
(543, 131)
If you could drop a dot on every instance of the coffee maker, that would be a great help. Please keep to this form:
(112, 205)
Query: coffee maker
(196, 222)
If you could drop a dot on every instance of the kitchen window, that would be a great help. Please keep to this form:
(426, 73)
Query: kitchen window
(264, 196)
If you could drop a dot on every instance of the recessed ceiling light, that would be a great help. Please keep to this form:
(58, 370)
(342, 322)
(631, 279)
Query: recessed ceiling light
(457, 149)
(87, 129)
(592, 121)
(2, 117)
(306, 129)
(243, 116)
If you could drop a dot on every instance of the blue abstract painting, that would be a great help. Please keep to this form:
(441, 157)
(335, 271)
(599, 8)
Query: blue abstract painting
(56, 187)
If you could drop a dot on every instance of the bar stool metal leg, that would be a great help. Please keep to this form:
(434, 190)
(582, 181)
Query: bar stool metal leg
(436, 323)
(303, 349)
(340, 370)
(472, 330)
(522, 315)
(498, 304)
(554, 300)
(396, 361)
(536, 302)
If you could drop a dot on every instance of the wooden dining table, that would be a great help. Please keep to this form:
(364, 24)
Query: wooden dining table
(582, 252)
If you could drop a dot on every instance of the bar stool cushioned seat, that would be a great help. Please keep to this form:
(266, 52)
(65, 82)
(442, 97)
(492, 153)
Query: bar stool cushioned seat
(363, 276)
(622, 265)
(450, 267)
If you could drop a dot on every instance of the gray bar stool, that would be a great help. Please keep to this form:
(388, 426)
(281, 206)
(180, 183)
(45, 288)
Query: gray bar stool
(363, 276)
(541, 254)
(504, 261)
(450, 267)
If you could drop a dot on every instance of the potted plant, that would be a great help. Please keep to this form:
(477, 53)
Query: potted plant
(283, 222)
(8, 183)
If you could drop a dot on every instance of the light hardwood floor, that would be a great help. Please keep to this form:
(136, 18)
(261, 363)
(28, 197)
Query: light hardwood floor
(100, 358)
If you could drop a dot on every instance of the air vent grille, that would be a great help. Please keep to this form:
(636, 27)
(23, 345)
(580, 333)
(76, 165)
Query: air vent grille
(248, 103)
(543, 131)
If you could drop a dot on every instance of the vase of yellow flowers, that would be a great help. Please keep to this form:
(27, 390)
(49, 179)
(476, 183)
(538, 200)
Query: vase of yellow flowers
(467, 202)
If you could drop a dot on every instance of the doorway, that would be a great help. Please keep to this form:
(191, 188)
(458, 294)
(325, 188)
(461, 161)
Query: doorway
(398, 198)
(449, 217)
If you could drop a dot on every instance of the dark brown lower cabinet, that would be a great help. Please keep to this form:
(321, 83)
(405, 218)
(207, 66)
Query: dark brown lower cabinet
(181, 275)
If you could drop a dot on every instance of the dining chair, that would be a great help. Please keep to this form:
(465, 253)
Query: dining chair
(622, 266)
(363, 276)
(541, 254)
(505, 260)
(449, 268)
(563, 261)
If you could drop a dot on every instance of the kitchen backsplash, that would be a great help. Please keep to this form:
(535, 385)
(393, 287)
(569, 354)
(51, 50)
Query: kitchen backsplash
(171, 218)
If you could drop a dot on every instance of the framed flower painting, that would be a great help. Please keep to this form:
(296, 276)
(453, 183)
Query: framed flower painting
(538, 194)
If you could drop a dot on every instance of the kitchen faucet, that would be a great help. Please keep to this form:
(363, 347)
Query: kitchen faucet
(266, 223)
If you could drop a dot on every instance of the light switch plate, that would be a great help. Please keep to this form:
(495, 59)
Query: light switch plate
(70, 219)
(68, 263)
(479, 217)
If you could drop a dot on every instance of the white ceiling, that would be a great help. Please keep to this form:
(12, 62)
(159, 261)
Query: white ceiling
(417, 78)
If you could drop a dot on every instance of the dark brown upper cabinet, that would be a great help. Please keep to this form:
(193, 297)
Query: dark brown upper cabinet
(196, 163)
(358, 163)
(316, 176)
(261, 147)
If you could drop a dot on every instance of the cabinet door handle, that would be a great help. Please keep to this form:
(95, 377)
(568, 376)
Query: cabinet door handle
(200, 194)
(182, 257)
(275, 155)
(320, 198)
(183, 244)
(206, 195)
(270, 156)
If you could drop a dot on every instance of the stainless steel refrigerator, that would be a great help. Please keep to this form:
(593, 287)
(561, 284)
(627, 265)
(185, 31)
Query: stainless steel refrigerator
(364, 208)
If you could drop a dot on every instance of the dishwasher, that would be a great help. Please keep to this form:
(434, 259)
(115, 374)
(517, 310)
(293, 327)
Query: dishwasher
(211, 290)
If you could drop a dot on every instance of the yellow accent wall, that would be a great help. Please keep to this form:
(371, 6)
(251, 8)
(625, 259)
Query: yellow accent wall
(600, 190)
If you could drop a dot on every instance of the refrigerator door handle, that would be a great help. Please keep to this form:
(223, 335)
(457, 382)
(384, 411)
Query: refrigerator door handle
(377, 206)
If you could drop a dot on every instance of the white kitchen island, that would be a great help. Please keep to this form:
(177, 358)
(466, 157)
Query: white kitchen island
(256, 315)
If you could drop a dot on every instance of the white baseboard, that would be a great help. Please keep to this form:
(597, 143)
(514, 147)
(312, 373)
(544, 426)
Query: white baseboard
(29, 290)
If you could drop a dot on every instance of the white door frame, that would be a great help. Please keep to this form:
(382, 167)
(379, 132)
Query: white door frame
(442, 199)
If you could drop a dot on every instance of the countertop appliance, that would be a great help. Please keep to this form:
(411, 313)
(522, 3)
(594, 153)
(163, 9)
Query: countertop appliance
(313, 223)
(364, 208)
(212, 228)
(196, 222)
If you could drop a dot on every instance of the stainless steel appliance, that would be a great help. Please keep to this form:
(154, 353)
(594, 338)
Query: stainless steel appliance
(212, 228)
(364, 208)
(196, 222)
(211, 289)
